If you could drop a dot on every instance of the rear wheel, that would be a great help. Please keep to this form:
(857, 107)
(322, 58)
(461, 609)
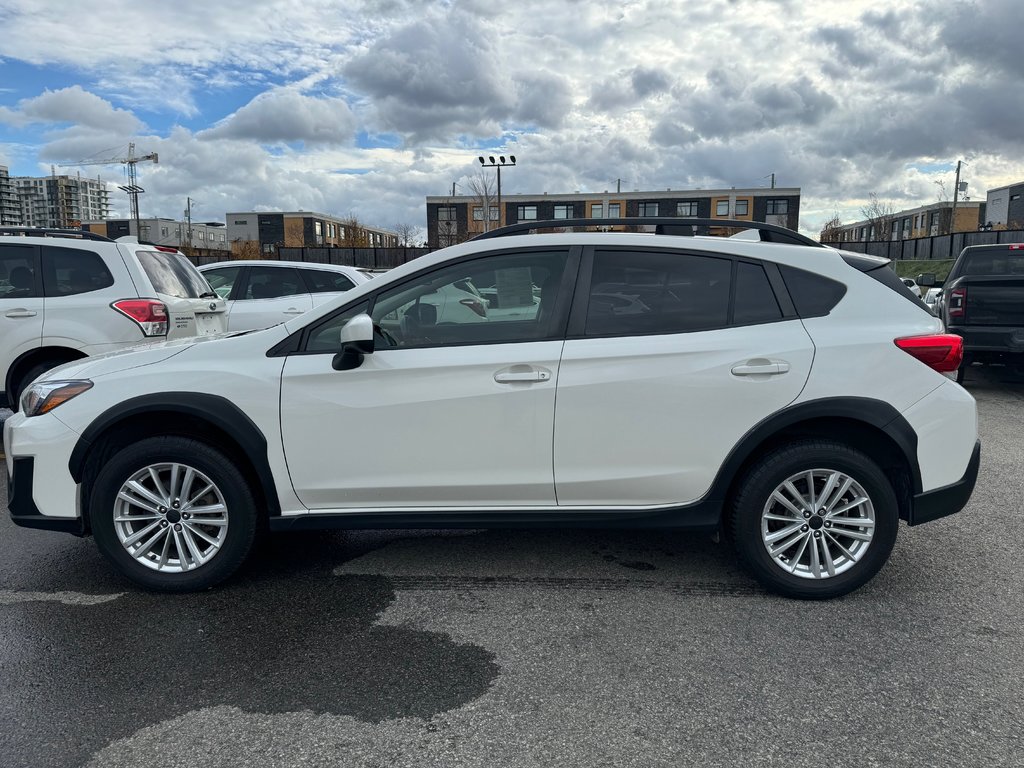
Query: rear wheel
(814, 520)
(173, 514)
(19, 386)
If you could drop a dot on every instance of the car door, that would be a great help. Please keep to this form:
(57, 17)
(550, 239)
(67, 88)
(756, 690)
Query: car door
(670, 359)
(441, 414)
(270, 295)
(21, 304)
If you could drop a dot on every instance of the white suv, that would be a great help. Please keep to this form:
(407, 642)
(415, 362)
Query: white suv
(67, 294)
(788, 395)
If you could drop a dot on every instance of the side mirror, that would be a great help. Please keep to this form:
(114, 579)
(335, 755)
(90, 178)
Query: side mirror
(356, 341)
(927, 280)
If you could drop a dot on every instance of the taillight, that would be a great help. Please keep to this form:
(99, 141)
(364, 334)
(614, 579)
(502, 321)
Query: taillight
(957, 302)
(476, 306)
(942, 352)
(149, 314)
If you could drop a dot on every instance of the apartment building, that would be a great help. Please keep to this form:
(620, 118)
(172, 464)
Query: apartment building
(10, 205)
(923, 221)
(198, 238)
(266, 231)
(454, 218)
(1004, 207)
(61, 201)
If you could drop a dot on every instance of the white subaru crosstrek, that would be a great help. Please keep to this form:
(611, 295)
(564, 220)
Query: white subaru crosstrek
(789, 395)
(69, 294)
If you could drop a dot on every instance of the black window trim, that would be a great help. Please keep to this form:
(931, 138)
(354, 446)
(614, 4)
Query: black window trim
(578, 314)
(295, 344)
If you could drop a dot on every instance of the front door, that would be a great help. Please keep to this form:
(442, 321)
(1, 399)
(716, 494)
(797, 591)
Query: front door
(455, 413)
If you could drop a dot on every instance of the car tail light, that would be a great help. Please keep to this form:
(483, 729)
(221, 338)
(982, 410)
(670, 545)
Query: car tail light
(164, 248)
(958, 302)
(942, 352)
(476, 306)
(149, 314)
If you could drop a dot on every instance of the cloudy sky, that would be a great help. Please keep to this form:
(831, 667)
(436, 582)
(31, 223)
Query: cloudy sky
(367, 107)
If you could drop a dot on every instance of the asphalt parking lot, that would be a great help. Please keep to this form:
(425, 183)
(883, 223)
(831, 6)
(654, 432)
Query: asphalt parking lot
(528, 648)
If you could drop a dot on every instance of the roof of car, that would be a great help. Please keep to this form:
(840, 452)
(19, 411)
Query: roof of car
(280, 263)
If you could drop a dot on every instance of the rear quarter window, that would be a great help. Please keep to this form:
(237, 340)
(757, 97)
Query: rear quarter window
(813, 295)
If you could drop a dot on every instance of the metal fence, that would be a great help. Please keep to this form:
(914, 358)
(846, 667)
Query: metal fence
(367, 258)
(931, 248)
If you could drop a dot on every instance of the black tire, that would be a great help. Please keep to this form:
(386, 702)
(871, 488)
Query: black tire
(240, 513)
(18, 387)
(755, 490)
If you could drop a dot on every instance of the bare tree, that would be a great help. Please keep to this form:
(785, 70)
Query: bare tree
(355, 235)
(246, 249)
(406, 233)
(831, 230)
(879, 215)
(484, 189)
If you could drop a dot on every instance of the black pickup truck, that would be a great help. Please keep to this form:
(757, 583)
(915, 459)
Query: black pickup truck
(983, 301)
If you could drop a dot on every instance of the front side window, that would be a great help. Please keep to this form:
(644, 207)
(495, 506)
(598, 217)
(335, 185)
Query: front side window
(501, 298)
(657, 293)
(686, 209)
(222, 280)
(273, 283)
(563, 212)
(70, 271)
(17, 271)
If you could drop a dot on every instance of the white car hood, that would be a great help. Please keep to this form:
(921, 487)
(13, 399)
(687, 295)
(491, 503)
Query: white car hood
(130, 357)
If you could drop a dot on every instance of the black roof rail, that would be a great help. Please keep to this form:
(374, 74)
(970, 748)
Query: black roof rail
(664, 225)
(75, 234)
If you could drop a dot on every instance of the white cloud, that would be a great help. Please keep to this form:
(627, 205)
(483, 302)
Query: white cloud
(285, 115)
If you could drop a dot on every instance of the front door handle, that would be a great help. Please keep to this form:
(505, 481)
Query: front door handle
(20, 313)
(760, 368)
(517, 377)
(293, 311)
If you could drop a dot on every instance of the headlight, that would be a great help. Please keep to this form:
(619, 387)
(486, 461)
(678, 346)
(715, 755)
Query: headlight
(46, 395)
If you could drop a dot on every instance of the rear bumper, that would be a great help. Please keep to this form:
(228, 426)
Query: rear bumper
(948, 500)
(22, 506)
(1007, 340)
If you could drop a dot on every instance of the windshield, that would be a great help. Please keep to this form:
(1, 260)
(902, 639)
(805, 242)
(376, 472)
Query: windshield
(174, 275)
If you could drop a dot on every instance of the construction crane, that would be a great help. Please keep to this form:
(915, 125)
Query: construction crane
(133, 189)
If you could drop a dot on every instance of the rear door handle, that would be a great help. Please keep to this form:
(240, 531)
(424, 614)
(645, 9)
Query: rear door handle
(513, 377)
(293, 311)
(761, 368)
(20, 313)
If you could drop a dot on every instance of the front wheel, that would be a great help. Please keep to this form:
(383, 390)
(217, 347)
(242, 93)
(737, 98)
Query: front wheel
(173, 514)
(814, 519)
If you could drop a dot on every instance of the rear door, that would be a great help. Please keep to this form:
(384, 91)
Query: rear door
(324, 284)
(267, 296)
(671, 358)
(21, 304)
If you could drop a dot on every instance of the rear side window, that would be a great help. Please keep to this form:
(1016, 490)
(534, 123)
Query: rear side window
(755, 299)
(17, 271)
(323, 281)
(273, 283)
(814, 295)
(657, 293)
(70, 271)
(172, 274)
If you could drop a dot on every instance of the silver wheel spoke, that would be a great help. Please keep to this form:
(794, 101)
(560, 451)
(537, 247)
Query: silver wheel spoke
(821, 532)
(161, 537)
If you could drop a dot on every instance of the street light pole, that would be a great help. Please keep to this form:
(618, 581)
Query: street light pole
(498, 165)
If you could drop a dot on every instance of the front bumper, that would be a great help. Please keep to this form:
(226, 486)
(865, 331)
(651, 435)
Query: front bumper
(24, 511)
(947, 500)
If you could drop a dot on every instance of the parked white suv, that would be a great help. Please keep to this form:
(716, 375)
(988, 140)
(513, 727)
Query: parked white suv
(788, 395)
(264, 293)
(66, 294)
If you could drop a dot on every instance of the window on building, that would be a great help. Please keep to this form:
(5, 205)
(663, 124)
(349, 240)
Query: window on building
(777, 206)
(446, 213)
(614, 210)
(478, 213)
(647, 209)
(318, 228)
(742, 207)
(1014, 197)
(163, 231)
(596, 211)
(563, 212)
(241, 222)
(722, 208)
(686, 209)
(202, 235)
(494, 213)
(526, 213)
(934, 219)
